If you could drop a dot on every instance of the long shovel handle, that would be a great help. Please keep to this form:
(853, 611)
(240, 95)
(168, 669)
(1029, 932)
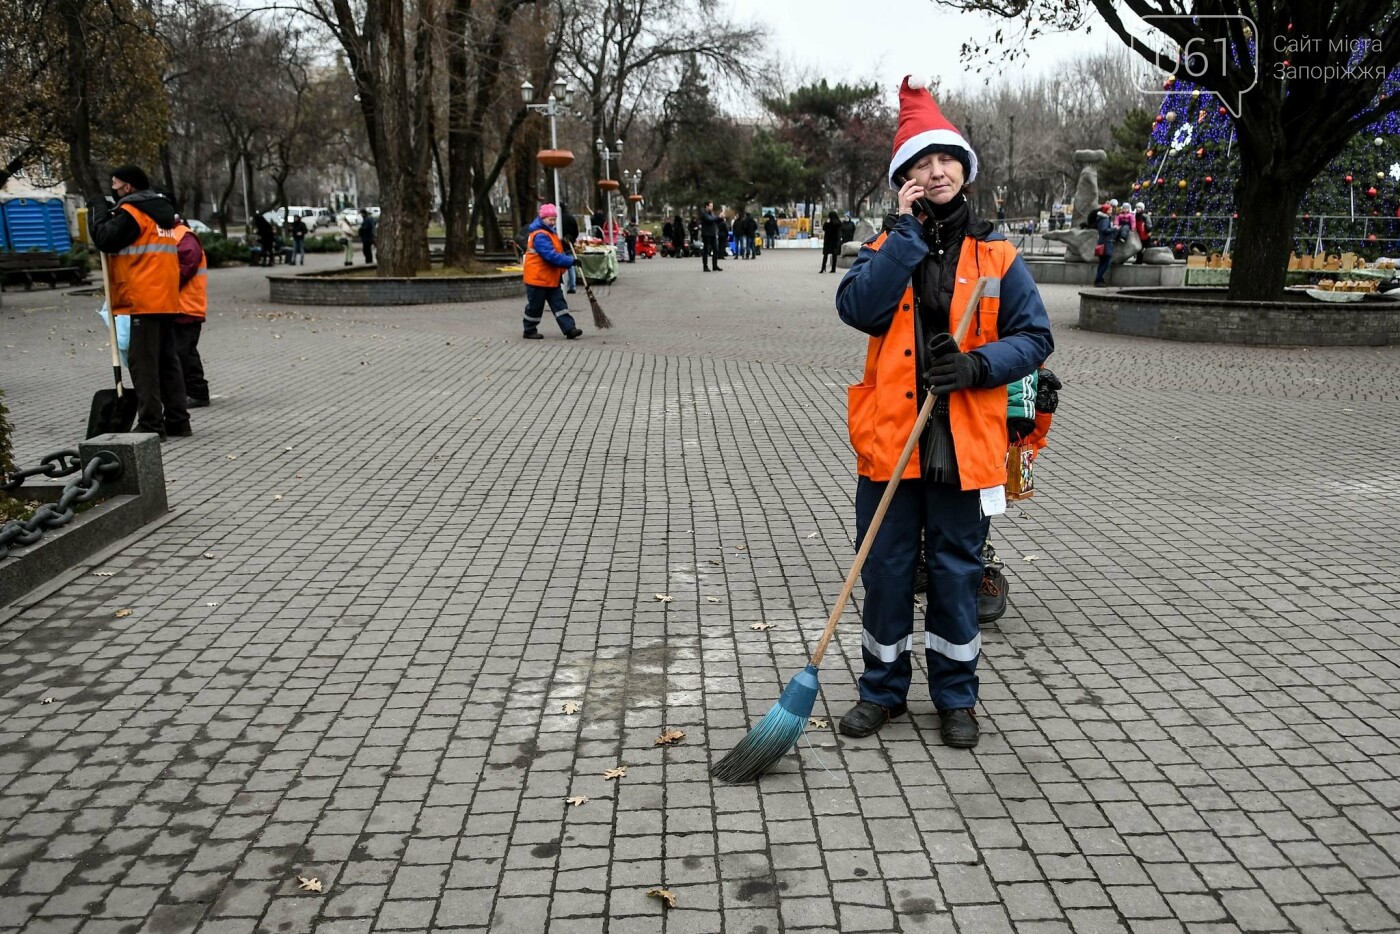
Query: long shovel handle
(111, 322)
(919, 421)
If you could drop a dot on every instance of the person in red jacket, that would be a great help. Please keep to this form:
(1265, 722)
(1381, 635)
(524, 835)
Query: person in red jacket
(545, 264)
(138, 233)
(194, 305)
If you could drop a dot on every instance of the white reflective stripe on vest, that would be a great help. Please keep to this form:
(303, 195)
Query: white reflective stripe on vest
(886, 653)
(202, 272)
(148, 248)
(958, 653)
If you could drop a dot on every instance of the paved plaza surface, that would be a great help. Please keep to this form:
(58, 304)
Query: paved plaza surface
(406, 539)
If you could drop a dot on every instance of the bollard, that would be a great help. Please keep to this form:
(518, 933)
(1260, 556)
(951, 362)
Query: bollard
(143, 472)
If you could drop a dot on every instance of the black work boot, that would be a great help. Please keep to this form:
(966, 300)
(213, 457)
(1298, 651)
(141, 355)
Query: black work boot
(867, 717)
(958, 727)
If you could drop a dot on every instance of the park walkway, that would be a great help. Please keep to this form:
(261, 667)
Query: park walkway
(406, 539)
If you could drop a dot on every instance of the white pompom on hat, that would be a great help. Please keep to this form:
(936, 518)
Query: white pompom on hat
(921, 125)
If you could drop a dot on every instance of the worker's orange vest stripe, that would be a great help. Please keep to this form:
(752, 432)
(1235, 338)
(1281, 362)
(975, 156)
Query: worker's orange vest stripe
(146, 275)
(194, 294)
(537, 271)
(883, 406)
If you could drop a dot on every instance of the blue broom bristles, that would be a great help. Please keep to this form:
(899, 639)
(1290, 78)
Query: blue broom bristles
(774, 735)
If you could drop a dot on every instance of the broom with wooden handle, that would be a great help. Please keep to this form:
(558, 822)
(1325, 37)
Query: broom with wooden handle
(782, 726)
(600, 319)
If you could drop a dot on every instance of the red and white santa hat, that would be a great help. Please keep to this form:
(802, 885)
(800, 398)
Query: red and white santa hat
(921, 126)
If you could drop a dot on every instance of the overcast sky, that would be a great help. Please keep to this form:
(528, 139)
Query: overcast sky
(886, 39)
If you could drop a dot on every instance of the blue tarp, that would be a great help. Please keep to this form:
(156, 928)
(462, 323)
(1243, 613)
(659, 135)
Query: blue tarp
(37, 223)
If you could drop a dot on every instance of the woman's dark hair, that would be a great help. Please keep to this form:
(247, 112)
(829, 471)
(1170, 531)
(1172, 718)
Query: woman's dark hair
(833, 216)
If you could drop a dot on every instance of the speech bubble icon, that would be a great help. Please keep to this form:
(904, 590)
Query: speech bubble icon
(1218, 54)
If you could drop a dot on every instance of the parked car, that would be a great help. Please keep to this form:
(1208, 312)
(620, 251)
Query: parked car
(198, 226)
(324, 217)
(351, 214)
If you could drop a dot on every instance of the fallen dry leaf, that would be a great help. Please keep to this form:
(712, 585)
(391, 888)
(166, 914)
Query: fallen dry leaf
(1030, 557)
(208, 554)
(664, 597)
(277, 497)
(666, 895)
(310, 885)
(670, 738)
(47, 700)
(211, 603)
(571, 707)
(761, 626)
(576, 800)
(817, 722)
(813, 535)
(619, 772)
(741, 547)
(232, 457)
(105, 573)
(713, 599)
(122, 614)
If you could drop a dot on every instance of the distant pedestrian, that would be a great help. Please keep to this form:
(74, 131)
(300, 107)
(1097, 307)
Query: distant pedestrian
(1108, 238)
(267, 240)
(748, 230)
(831, 240)
(299, 232)
(677, 236)
(347, 237)
(629, 236)
(848, 228)
(1142, 223)
(194, 305)
(545, 262)
(722, 236)
(709, 237)
(770, 229)
(569, 227)
(367, 232)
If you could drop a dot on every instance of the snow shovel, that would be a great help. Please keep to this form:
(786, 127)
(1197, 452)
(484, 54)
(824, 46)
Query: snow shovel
(113, 410)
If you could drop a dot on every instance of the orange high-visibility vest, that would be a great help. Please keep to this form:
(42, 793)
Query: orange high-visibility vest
(194, 294)
(882, 407)
(146, 275)
(537, 271)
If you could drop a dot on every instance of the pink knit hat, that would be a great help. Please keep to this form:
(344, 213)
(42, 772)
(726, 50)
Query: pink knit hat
(548, 210)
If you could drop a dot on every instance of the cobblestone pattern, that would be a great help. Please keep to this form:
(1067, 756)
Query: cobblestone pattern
(425, 536)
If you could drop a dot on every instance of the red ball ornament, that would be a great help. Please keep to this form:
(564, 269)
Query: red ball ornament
(1371, 237)
(1234, 217)
(1167, 85)
(1173, 215)
(1157, 119)
(1137, 186)
(1161, 181)
(1371, 192)
(1222, 111)
(1151, 153)
(1307, 217)
(1208, 179)
(1348, 179)
(1179, 246)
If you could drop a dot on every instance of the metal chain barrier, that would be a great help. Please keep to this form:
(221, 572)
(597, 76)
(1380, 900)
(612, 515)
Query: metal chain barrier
(57, 464)
(104, 465)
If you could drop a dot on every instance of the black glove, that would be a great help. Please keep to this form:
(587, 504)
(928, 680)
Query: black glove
(1018, 428)
(1047, 398)
(955, 371)
(940, 345)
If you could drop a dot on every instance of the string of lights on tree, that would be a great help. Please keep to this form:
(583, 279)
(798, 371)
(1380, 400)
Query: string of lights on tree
(1192, 163)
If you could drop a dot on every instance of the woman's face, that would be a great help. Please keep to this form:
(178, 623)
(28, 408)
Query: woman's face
(940, 175)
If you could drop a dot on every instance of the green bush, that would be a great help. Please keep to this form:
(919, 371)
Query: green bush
(10, 508)
(324, 243)
(220, 251)
(79, 256)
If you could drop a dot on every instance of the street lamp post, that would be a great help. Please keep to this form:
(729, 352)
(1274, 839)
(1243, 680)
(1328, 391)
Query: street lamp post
(561, 98)
(607, 183)
(634, 179)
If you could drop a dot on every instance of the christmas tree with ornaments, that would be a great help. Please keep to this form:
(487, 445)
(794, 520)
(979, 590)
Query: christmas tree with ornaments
(1192, 163)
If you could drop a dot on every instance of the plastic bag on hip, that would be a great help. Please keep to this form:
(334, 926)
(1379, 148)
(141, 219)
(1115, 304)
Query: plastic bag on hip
(123, 332)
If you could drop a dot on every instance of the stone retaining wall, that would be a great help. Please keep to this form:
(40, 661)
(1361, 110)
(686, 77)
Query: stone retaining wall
(335, 288)
(1203, 315)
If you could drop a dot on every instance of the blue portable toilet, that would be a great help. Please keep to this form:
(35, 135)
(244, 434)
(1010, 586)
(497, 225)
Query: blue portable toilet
(35, 222)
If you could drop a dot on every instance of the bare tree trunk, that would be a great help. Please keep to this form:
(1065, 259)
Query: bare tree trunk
(227, 194)
(79, 122)
(456, 205)
(1267, 204)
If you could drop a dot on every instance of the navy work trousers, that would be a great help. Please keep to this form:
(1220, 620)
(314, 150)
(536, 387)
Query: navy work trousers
(951, 524)
(536, 296)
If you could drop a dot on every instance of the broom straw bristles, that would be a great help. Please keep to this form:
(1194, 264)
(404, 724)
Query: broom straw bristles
(774, 735)
(600, 317)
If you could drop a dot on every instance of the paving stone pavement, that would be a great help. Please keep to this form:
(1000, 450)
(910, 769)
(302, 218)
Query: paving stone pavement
(426, 536)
